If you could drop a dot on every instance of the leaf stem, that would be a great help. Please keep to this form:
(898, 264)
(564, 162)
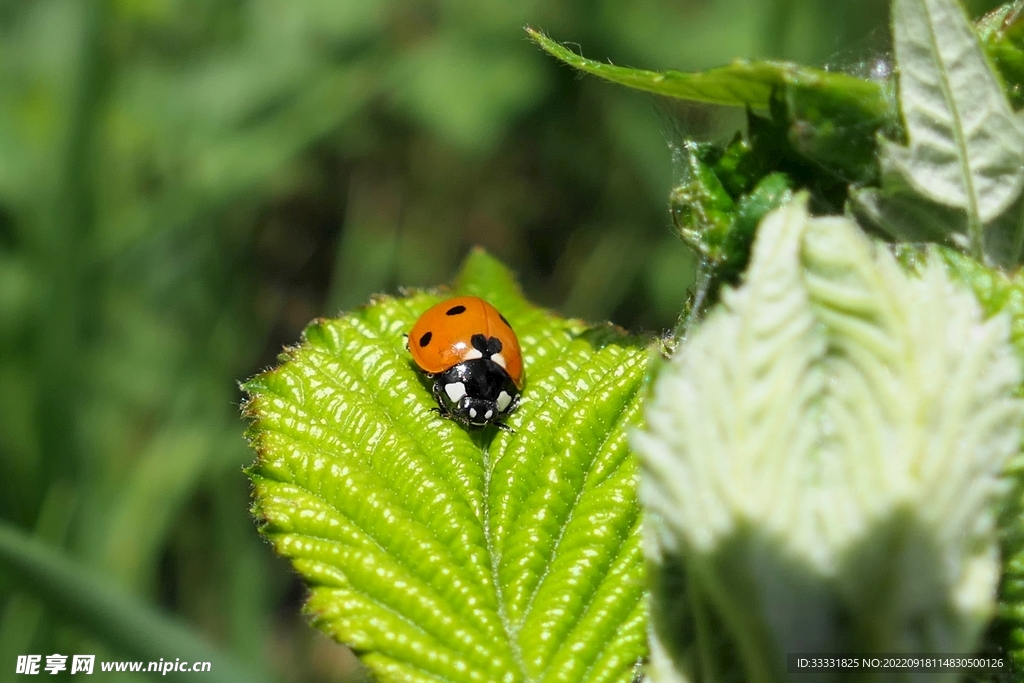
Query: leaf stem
(689, 317)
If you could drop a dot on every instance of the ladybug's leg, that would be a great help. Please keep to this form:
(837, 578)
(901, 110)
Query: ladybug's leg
(503, 427)
(442, 407)
(508, 411)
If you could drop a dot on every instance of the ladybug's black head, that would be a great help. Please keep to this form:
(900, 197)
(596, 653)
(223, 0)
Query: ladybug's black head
(476, 392)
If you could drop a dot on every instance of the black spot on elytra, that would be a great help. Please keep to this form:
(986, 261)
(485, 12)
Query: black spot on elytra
(487, 347)
(425, 339)
(455, 310)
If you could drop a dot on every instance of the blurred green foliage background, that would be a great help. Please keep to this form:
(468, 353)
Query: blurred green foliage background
(185, 183)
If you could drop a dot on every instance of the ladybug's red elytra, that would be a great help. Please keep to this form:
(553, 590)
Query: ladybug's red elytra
(473, 354)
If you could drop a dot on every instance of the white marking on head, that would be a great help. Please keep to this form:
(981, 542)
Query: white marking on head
(455, 391)
(472, 412)
(471, 354)
(503, 401)
(489, 414)
(500, 360)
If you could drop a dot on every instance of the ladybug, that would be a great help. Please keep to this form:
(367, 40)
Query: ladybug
(470, 350)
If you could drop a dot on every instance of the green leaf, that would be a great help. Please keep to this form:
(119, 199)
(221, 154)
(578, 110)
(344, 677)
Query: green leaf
(441, 554)
(822, 458)
(741, 83)
(771, 192)
(702, 209)
(1002, 35)
(120, 621)
(966, 148)
(827, 117)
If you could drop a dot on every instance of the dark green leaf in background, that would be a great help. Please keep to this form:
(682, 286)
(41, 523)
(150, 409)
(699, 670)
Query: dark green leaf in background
(741, 83)
(829, 118)
(441, 554)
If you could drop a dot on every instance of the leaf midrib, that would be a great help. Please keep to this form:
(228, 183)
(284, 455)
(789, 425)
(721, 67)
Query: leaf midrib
(623, 416)
(495, 561)
(973, 218)
(513, 630)
(511, 633)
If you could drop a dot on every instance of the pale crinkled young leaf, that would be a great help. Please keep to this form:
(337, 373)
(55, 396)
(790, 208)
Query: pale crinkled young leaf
(441, 554)
(997, 292)
(966, 148)
(821, 459)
